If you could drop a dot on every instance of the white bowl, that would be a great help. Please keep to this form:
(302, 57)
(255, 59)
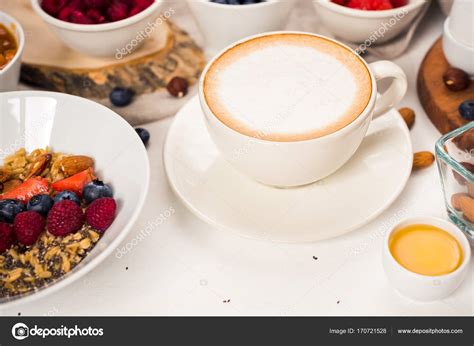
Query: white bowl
(102, 39)
(458, 54)
(367, 27)
(222, 25)
(422, 287)
(70, 124)
(10, 75)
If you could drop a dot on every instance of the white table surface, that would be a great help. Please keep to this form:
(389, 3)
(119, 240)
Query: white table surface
(185, 267)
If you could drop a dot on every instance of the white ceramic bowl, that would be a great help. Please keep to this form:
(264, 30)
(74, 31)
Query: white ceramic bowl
(102, 39)
(358, 26)
(10, 75)
(458, 54)
(421, 287)
(222, 25)
(70, 124)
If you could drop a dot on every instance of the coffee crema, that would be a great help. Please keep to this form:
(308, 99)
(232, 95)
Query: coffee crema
(287, 87)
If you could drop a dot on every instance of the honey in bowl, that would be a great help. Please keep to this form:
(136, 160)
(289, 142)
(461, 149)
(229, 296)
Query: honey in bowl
(8, 46)
(426, 250)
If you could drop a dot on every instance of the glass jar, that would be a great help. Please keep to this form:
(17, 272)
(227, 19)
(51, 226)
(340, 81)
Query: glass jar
(455, 158)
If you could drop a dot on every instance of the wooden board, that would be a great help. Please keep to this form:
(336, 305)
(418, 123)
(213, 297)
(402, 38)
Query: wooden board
(440, 104)
(49, 64)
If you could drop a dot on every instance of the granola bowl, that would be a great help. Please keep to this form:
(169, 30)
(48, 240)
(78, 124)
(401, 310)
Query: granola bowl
(60, 143)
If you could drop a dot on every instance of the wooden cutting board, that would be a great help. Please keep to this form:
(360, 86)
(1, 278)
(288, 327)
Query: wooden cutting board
(440, 104)
(49, 64)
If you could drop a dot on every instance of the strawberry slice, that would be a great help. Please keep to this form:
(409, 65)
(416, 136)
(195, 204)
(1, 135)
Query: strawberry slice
(27, 189)
(76, 182)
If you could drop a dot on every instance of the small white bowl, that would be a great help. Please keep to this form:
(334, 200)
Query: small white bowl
(361, 26)
(458, 55)
(104, 40)
(10, 75)
(222, 24)
(422, 287)
(74, 125)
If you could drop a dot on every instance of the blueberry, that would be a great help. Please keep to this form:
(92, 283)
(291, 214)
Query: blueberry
(67, 195)
(9, 208)
(144, 135)
(466, 109)
(96, 189)
(41, 204)
(121, 97)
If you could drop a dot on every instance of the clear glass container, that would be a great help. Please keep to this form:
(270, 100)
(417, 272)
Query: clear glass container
(455, 158)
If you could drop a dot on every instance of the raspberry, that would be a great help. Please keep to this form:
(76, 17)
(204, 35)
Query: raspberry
(101, 213)
(370, 5)
(28, 227)
(79, 18)
(95, 3)
(7, 236)
(340, 2)
(117, 11)
(65, 14)
(95, 16)
(64, 218)
(143, 3)
(52, 6)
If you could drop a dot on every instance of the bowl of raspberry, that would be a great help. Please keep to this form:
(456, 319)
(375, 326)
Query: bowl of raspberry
(368, 21)
(100, 27)
(73, 179)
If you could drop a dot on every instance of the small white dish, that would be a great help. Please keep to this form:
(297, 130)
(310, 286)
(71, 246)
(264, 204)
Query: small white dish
(222, 25)
(422, 287)
(361, 26)
(70, 124)
(102, 39)
(458, 55)
(217, 193)
(10, 75)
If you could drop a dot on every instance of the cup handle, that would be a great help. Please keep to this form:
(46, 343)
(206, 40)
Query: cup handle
(395, 92)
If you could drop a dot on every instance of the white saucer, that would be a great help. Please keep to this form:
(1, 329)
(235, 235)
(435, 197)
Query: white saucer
(348, 199)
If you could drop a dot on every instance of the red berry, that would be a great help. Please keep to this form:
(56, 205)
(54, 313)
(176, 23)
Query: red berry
(340, 2)
(95, 16)
(52, 6)
(65, 14)
(143, 3)
(117, 11)
(7, 236)
(398, 3)
(65, 217)
(95, 3)
(370, 5)
(135, 10)
(28, 227)
(80, 18)
(101, 213)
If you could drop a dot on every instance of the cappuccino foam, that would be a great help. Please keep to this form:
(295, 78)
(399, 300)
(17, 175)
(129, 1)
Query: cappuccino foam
(287, 87)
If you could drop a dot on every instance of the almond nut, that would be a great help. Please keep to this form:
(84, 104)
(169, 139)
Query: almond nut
(408, 115)
(423, 159)
(71, 165)
(39, 165)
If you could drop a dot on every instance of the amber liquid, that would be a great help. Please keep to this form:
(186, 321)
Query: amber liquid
(426, 250)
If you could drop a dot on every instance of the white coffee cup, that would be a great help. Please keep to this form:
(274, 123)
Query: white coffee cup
(295, 163)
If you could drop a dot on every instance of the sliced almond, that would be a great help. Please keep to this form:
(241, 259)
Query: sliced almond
(40, 164)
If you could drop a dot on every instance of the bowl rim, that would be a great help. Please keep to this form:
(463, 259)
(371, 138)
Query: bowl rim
(247, 7)
(95, 27)
(20, 43)
(413, 4)
(72, 276)
(446, 226)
